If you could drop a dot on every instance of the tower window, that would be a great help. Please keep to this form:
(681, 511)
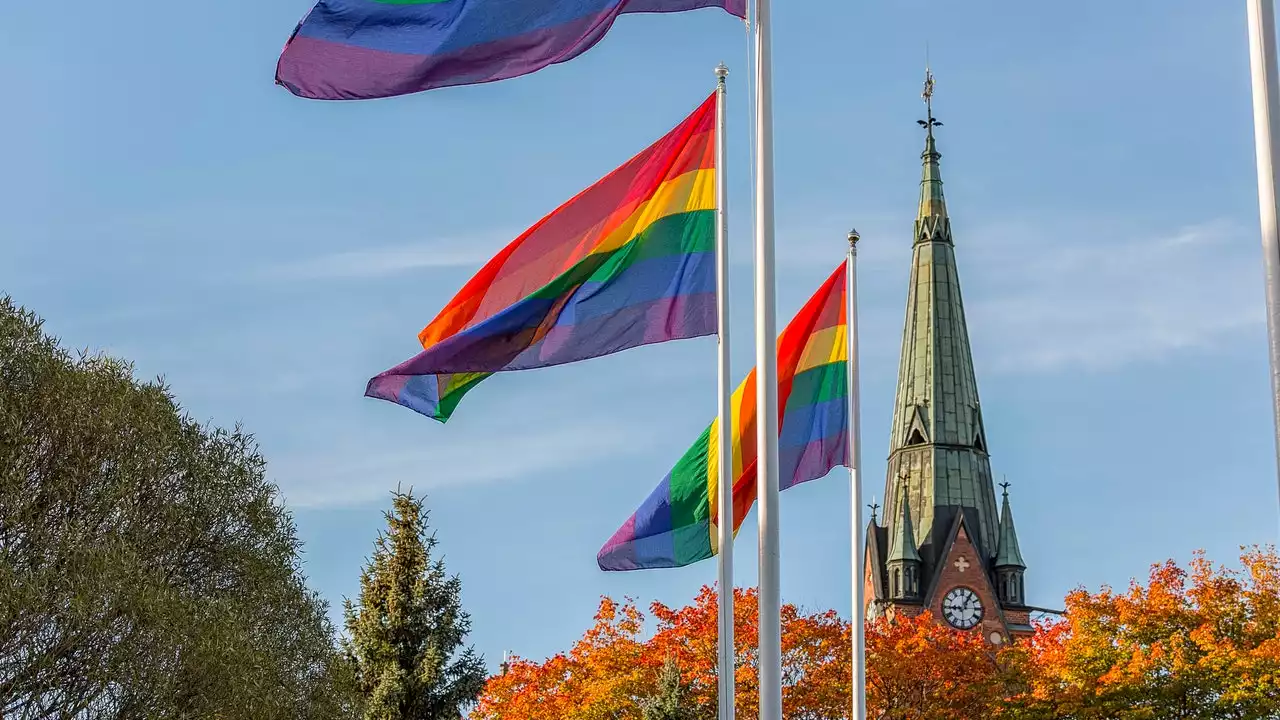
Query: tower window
(897, 575)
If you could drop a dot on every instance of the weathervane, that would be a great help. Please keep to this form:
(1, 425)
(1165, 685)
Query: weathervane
(927, 95)
(1005, 485)
(875, 507)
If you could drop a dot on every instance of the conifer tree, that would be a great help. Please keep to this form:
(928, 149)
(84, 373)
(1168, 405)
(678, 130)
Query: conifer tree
(405, 634)
(672, 701)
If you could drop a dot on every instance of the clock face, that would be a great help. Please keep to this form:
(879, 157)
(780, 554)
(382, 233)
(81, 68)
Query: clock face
(962, 608)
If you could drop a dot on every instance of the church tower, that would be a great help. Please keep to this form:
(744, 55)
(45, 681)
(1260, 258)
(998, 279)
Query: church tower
(940, 514)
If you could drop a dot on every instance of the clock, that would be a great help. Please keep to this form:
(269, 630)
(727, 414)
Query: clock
(962, 608)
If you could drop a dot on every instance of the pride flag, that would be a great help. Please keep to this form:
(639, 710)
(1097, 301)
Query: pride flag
(677, 524)
(359, 49)
(630, 261)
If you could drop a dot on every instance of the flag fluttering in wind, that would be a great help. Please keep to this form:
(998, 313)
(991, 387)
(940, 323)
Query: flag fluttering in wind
(677, 524)
(630, 261)
(360, 49)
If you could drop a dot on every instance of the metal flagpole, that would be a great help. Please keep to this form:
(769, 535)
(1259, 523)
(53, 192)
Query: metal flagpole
(724, 506)
(770, 622)
(1266, 95)
(855, 466)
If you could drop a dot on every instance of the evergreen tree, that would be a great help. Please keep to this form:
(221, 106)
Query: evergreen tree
(672, 702)
(406, 633)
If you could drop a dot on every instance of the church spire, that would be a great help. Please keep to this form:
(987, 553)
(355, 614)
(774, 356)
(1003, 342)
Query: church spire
(904, 563)
(902, 542)
(938, 442)
(1009, 566)
(1009, 555)
(945, 548)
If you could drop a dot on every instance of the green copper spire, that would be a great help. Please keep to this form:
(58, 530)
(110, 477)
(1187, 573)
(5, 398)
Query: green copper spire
(937, 441)
(1009, 554)
(932, 215)
(902, 540)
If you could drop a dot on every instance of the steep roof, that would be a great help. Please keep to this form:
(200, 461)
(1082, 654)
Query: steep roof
(938, 440)
(902, 536)
(1008, 555)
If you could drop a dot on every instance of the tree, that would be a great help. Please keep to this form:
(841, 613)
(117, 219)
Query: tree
(669, 703)
(406, 632)
(1199, 642)
(1191, 644)
(147, 567)
(919, 669)
(612, 673)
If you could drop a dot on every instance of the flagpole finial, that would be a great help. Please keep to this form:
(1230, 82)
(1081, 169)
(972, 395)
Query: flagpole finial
(854, 237)
(722, 72)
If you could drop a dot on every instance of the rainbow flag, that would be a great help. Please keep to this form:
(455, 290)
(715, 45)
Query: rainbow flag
(359, 49)
(630, 261)
(677, 524)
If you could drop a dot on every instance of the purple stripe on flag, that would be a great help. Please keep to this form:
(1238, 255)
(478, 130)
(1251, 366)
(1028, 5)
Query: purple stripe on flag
(340, 54)
(812, 461)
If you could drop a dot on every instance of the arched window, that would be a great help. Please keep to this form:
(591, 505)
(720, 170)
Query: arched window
(897, 575)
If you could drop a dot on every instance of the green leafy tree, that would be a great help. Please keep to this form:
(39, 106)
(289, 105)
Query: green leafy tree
(405, 635)
(147, 567)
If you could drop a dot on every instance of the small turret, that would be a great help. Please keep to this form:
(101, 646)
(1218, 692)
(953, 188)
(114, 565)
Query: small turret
(1009, 566)
(904, 559)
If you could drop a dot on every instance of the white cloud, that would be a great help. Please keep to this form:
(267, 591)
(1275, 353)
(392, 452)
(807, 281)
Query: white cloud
(1045, 298)
(1064, 293)
(367, 474)
(394, 259)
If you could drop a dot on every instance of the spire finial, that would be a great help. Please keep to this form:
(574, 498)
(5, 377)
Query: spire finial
(930, 122)
(875, 507)
(1005, 485)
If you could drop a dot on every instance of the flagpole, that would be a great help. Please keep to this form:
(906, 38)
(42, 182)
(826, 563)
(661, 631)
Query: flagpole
(1266, 95)
(724, 507)
(855, 465)
(770, 621)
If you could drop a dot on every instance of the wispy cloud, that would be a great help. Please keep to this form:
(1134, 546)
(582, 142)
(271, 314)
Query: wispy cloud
(357, 476)
(1047, 298)
(393, 259)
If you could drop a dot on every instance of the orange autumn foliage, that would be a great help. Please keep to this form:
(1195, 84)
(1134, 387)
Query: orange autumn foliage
(1201, 642)
(919, 669)
(613, 670)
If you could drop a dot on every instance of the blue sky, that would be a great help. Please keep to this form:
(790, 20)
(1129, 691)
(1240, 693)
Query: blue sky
(160, 199)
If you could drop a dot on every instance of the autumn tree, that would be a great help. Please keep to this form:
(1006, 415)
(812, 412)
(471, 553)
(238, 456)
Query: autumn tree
(147, 566)
(613, 671)
(1199, 642)
(406, 632)
(1191, 644)
(919, 669)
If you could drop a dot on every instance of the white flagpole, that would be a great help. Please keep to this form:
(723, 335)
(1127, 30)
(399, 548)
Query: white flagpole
(724, 508)
(770, 654)
(1266, 95)
(855, 456)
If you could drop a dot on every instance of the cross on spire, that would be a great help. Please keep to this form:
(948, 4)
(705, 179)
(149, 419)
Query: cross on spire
(1005, 485)
(875, 507)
